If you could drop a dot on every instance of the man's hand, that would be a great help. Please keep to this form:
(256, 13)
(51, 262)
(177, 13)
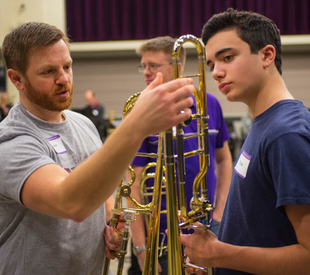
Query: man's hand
(113, 239)
(162, 106)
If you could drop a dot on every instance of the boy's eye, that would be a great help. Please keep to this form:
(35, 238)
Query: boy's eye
(211, 66)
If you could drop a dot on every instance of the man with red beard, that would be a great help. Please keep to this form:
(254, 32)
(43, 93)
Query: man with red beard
(55, 175)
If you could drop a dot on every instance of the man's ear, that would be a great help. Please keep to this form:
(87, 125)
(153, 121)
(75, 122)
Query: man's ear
(16, 78)
(268, 55)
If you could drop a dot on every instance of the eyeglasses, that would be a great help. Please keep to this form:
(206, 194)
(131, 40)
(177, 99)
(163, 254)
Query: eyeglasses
(152, 67)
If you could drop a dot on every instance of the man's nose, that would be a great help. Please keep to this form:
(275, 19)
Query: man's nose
(147, 70)
(63, 77)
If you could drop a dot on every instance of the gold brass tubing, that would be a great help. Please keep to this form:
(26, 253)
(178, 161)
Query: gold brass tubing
(143, 187)
(201, 209)
(192, 153)
(200, 96)
(129, 216)
(138, 205)
(131, 101)
(190, 136)
(181, 171)
(200, 178)
(202, 123)
(113, 224)
(175, 257)
(133, 176)
(190, 75)
(151, 256)
(149, 155)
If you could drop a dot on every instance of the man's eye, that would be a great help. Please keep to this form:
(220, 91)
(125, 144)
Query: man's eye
(228, 57)
(154, 66)
(48, 71)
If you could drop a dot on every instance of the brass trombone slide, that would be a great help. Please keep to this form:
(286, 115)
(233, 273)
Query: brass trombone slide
(201, 208)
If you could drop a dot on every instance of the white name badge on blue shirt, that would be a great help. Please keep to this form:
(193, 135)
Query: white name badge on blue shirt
(242, 165)
(56, 142)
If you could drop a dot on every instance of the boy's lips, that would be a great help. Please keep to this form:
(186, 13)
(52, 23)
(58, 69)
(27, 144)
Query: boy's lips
(223, 87)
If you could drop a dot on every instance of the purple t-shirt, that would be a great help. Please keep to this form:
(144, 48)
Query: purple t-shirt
(218, 134)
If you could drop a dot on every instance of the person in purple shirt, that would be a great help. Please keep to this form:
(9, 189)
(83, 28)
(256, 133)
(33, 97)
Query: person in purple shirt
(156, 56)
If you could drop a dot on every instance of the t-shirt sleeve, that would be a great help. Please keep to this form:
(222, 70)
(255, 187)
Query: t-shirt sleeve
(26, 154)
(288, 164)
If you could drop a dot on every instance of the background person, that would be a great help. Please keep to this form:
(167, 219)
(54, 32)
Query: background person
(5, 105)
(156, 56)
(95, 112)
(93, 107)
(266, 221)
(55, 175)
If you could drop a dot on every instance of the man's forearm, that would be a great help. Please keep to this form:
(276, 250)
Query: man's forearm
(104, 170)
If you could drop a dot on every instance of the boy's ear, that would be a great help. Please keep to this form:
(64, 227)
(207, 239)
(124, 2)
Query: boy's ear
(16, 78)
(268, 55)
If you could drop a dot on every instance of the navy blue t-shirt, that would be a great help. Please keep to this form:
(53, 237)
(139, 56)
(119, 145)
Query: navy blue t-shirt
(272, 171)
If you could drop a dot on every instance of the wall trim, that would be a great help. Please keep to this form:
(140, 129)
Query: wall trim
(290, 43)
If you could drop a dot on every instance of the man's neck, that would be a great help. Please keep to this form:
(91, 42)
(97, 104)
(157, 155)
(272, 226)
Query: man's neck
(46, 115)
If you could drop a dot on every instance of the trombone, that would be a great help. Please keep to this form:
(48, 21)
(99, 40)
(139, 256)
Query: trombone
(178, 217)
(201, 208)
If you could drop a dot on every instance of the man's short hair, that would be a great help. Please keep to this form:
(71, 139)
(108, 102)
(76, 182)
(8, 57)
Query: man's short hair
(23, 40)
(161, 43)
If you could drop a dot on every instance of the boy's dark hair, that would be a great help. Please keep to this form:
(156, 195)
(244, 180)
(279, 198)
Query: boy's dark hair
(253, 28)
(23, 40)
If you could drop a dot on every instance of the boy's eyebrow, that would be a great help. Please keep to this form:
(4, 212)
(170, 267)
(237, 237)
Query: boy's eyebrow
(219, 53)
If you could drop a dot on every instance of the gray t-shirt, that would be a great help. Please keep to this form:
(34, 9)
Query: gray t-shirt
(32, 243)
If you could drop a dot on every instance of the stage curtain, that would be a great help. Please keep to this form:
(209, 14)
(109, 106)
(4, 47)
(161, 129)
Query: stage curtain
(104, 20)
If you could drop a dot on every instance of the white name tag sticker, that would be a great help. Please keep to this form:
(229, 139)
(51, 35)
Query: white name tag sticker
(56, 142)
(242, 165)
